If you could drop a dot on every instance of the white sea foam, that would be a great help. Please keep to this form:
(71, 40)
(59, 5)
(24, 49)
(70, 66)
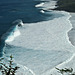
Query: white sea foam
(43, 45)
(42, 11)
(18, 22)
(47, 42)
(71, 33)
(12, 32)
(37, 62)
(10, 35)
(49, 5)
(39, 5)
(52, 33)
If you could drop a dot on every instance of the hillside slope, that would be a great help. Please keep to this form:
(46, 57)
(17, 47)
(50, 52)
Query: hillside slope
(67, 5)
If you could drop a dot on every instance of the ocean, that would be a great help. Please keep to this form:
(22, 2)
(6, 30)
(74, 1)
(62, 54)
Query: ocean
(13, 10)
(38, 38)
(24, 10)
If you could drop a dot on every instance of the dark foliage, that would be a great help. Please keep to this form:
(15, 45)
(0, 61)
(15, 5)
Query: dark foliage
(66, 70)
(8, 70)
(67, 5)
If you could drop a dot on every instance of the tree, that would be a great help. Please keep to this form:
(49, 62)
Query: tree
(68, 71)
(10, 69)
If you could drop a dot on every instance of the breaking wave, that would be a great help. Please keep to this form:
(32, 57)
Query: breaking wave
(39, 47)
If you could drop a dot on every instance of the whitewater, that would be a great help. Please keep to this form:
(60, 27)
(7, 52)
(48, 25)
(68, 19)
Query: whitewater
(40, 47)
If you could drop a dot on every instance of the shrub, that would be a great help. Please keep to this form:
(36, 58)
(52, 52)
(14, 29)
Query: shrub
(8, 70)
(68, 71)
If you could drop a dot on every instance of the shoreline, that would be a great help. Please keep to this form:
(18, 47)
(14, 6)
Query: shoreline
(69, 7)
(72, 31)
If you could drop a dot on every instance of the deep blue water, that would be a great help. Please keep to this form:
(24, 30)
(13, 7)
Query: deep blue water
(19, 9)
(11, 10)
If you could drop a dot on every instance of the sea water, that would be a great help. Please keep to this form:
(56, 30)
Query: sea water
(41, 45)
(14, 10)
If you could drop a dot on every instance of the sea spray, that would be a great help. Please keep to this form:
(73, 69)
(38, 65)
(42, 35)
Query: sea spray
(10, 35)
(12, 32)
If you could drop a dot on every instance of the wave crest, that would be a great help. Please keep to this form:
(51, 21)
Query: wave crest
(12, 32)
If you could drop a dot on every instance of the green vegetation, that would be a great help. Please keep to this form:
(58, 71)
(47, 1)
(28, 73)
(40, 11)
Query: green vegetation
(8, 70)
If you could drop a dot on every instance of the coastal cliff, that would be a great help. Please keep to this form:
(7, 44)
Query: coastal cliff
(67, 5)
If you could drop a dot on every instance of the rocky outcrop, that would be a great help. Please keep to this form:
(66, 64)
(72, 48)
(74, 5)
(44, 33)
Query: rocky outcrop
(67, 5)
